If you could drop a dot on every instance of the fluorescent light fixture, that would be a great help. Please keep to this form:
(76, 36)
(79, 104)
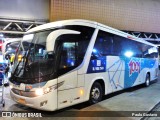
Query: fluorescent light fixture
(94, 51)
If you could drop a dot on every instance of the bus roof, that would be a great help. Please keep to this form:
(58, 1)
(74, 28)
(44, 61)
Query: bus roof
(62, 23)
(85, 23)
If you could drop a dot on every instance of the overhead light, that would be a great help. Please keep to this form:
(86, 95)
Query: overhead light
(1, 35)
(94, 51)
(128, 53)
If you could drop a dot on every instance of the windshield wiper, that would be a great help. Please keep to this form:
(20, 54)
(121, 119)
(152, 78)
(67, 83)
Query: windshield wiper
(26, 60)
(16, 67)
(19, 64)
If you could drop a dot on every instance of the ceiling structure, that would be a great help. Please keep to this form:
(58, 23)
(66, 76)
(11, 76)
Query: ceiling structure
(16, 28)
(18, 16)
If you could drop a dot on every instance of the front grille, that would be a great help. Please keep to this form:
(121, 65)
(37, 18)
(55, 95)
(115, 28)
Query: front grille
(24, 93)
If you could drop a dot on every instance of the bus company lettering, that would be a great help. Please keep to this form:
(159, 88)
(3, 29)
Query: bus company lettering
(134, 66)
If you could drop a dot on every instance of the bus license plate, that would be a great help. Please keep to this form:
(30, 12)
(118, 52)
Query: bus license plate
(22, 101)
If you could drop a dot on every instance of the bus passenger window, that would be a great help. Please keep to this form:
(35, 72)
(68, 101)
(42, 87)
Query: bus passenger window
(103, 45)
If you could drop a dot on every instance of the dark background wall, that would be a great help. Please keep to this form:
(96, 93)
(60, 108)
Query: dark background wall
(132, 15)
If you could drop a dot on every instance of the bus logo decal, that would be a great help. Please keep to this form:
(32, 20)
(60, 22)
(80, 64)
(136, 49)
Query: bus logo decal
(98, 62)
(97, 65)
(134, 66)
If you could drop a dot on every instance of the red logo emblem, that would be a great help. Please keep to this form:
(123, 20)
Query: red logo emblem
(134, 67)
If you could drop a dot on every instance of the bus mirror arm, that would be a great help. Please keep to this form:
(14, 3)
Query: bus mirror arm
(50, 41)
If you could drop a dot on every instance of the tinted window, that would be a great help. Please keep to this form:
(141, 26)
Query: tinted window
(110, 44)
(127, 47)
(103, 45)
(72, 48)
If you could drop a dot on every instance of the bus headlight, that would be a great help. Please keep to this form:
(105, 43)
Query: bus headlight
(11, 86)
(39, 92)
(42, 91)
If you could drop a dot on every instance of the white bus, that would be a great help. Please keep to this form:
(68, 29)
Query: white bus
(68, 62)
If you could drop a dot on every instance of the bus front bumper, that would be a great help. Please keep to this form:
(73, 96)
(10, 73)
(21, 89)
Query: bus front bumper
(46, 102)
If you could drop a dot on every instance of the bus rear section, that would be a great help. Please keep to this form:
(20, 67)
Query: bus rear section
(118, 62)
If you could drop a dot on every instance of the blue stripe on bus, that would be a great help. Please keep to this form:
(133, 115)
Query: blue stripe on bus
(132, 66)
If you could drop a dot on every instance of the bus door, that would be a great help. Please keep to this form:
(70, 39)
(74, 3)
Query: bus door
(67, 72)
(70, 48)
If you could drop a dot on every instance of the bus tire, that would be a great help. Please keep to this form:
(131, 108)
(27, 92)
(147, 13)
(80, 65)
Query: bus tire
(147, 81)
(95, 93)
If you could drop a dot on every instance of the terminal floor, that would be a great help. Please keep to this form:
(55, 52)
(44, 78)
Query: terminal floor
(135, 99)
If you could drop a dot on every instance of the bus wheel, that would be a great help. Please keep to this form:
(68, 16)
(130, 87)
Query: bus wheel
(147, 82)
(95, 93)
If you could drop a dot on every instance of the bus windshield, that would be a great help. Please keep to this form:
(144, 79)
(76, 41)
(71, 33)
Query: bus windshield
(32, 60)
(43, 55)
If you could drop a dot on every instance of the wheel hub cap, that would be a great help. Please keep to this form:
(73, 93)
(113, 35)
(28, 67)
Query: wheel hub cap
(95, 93)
